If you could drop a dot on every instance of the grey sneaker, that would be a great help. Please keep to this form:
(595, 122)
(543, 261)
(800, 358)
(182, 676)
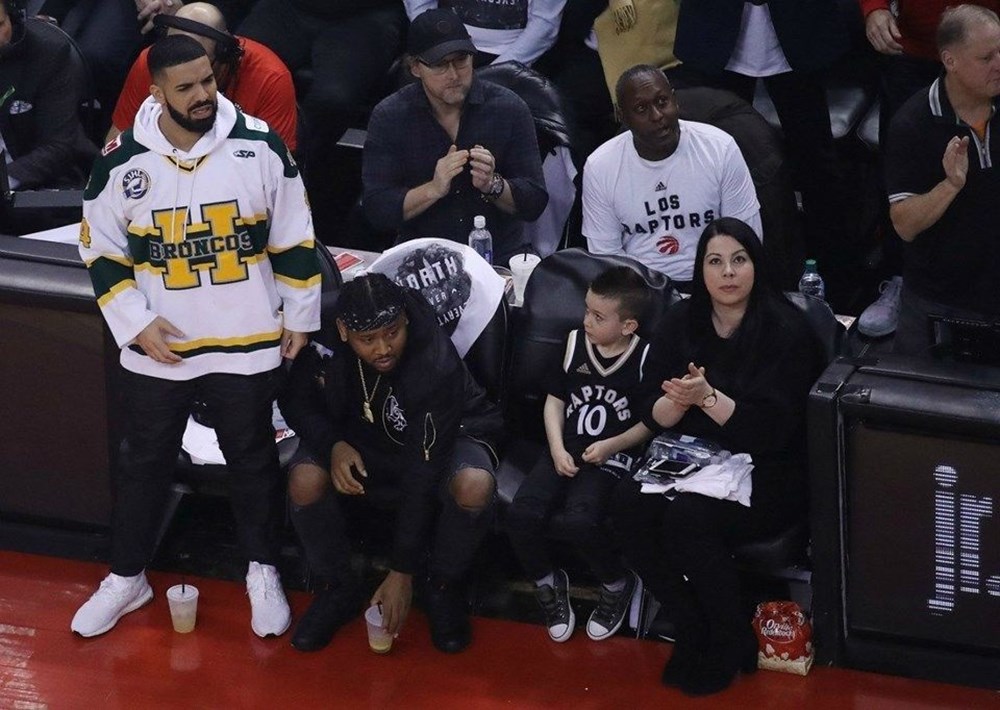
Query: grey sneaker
(610, 612)
(880, 318)
(559, 617)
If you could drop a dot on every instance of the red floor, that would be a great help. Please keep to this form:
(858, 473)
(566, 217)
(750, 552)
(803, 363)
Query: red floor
(142, 663)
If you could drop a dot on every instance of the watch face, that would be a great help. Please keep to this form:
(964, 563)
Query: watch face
(709, 400)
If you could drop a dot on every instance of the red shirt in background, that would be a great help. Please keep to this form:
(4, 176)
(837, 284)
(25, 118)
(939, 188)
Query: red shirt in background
(262, 87)
(918, 21)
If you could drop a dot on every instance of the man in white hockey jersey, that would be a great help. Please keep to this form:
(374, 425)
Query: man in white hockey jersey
(199, 242)
(648, 193)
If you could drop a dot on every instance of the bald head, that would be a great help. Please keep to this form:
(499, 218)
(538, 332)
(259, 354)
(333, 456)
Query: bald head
(204, 13)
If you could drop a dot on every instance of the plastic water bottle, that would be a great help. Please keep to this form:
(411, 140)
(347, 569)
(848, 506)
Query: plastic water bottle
(811, 282)
(481, 240)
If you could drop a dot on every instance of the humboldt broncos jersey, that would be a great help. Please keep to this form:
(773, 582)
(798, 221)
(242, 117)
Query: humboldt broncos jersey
(600, 398)
(217, 240)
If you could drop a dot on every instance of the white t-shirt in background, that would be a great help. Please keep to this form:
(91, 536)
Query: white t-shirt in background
(655, 211)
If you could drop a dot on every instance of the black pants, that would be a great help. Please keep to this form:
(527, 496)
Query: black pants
(157, 412)
(574, 509)
(691, 536)
(322, 526)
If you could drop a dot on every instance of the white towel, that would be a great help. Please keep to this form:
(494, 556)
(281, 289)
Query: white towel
(729, 480)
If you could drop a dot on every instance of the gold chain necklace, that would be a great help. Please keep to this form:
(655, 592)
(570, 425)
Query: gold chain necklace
(366, 406)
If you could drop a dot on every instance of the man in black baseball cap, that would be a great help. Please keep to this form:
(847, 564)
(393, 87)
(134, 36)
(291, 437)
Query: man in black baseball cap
(451, 147)
(437, 33)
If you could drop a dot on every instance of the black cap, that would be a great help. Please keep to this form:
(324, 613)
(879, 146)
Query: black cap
(435, 34)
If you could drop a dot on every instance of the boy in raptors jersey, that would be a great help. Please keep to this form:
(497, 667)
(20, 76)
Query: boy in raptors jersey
(591, 423)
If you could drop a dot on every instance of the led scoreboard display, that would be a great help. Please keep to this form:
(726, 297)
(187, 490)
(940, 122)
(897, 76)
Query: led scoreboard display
(923, 538)
(904, 468)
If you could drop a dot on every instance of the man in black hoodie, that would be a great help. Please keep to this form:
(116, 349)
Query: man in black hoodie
(393, 417)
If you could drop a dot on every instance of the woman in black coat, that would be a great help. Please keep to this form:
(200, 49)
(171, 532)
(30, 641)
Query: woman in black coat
(734, 364)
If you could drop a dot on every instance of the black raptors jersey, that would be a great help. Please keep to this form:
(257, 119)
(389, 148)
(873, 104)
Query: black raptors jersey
(599, 394)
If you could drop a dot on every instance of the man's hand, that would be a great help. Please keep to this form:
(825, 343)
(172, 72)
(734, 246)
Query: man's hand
(883, 32)
(564, 464)
(394, 594)
(152, 339)
(343, 458)
(690, 390)
(148, 9)
(599, 452)
(291, 342)
(956, 162)
(447, 168)
(482, 164)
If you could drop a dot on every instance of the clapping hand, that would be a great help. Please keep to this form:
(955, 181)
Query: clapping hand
(689, 390)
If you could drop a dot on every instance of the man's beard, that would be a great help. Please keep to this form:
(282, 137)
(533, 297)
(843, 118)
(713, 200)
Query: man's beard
(200, 125)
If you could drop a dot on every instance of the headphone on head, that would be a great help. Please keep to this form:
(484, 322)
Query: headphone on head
(227, 47)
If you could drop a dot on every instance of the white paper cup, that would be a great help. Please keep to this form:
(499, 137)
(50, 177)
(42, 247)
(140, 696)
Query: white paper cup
(379, 640)
(183, 600)
(521, 267)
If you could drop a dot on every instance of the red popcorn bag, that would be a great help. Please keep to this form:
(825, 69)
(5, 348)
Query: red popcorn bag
(784, 637)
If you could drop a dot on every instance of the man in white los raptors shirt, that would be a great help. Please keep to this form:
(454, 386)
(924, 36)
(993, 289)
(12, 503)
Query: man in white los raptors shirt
(650, 192)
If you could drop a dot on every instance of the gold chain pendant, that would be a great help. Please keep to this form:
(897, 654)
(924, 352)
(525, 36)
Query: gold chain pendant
(366, 412)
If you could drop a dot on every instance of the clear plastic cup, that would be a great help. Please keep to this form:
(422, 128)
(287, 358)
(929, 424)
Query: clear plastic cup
(521, 267)
(183, 600)
(379, 640)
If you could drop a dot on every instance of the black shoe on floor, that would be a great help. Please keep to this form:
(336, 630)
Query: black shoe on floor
(332, 607)
(448, 613)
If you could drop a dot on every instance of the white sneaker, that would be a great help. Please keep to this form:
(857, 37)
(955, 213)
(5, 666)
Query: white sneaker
(115, 598)
(880, 318)
(270, 615)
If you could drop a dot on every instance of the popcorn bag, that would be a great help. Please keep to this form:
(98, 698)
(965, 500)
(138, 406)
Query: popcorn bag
(784, 637)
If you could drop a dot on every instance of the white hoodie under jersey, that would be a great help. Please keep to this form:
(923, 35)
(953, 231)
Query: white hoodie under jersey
(218, 240)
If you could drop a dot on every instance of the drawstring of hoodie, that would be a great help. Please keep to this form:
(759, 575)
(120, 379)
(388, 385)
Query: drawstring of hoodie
(177, 189)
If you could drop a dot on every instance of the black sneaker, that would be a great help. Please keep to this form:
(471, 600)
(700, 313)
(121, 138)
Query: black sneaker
(332, 607)
(607, 618)
(559, 617)
(448, 614)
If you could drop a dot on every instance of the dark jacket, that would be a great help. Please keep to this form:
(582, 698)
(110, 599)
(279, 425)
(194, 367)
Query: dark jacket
(41, 85)
(813, 33)
(323, 399)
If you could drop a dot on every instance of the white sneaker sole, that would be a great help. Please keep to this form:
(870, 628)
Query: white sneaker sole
(141, 601)
(564, 636)
(265, 634)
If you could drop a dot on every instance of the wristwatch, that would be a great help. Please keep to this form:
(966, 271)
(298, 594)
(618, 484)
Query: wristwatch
(710, 399)
(496, 187)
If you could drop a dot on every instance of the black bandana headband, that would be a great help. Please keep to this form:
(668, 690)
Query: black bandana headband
(370, 302)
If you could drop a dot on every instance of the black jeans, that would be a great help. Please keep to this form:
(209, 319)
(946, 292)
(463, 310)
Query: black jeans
(322, 526)
(574, 509)
(157, 412)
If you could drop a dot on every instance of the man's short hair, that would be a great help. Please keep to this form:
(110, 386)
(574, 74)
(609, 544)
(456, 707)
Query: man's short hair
(370, 302)
(957, 21)
(630, 74)
(172, 51)
(625, 285)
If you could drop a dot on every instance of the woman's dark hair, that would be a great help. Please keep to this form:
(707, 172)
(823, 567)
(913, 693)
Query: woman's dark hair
(763, 306)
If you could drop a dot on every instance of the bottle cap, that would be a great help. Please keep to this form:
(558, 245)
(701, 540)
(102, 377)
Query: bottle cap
(479, 222)
(811, 265)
